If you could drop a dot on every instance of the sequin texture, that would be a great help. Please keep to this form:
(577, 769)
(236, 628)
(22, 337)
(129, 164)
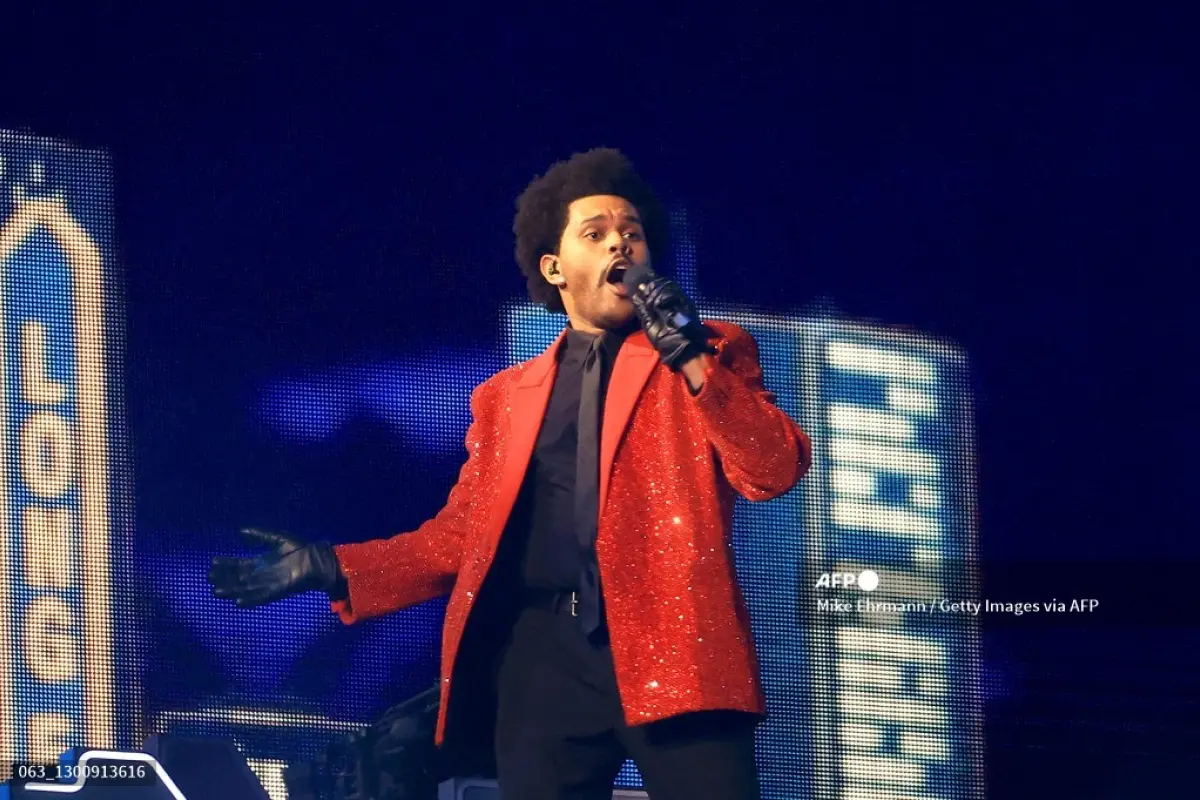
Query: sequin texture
(671, 463)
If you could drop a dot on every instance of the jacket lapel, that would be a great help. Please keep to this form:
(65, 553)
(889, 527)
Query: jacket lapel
(527, 408)
(636, 360)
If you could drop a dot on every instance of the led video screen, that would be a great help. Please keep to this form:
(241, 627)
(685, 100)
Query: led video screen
(66, 621)
(110, 634)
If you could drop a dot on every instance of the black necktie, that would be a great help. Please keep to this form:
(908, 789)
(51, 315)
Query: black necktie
(587, 489)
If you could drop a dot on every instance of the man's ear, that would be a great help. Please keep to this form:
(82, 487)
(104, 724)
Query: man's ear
(550, 270)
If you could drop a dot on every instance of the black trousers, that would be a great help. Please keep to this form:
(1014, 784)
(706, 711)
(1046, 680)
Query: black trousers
(560, 732)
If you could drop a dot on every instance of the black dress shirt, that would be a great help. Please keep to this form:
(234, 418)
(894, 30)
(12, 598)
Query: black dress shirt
(551, 558)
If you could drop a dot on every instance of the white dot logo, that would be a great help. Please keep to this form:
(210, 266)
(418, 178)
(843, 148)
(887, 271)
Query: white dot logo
(868, 580)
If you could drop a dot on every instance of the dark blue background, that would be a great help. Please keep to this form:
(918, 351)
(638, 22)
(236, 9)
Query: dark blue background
(299, 189)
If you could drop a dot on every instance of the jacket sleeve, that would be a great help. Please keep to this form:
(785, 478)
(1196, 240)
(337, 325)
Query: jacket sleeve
(385, 575)
(762, 451)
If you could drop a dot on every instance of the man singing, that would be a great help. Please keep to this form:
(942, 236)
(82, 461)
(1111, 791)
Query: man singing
(594, 613)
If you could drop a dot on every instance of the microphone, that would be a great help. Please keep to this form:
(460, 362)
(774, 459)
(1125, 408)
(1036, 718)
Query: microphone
(637, 276)
(635, 280)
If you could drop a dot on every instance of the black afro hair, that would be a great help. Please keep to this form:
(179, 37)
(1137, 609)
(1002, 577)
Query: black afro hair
(542, 211)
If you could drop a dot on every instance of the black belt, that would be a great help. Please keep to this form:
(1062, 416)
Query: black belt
(557, 601)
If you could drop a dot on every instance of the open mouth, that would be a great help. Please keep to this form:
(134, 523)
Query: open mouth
(617, 274)
(614, 278)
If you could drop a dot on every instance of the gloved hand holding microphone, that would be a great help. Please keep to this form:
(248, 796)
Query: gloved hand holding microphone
(668, 316)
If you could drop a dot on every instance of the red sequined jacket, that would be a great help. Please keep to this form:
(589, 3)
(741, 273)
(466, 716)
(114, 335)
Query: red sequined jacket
(670, 463)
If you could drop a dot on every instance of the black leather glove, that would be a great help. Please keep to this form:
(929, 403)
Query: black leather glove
(671, 322)
(290, 568)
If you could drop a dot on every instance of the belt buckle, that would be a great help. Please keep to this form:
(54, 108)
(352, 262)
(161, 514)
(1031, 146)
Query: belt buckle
(574, 604)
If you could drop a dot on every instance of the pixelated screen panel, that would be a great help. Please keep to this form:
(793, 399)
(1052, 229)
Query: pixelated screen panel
(859, 701)
(877, 699)
(65, 627)
(893, 500)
